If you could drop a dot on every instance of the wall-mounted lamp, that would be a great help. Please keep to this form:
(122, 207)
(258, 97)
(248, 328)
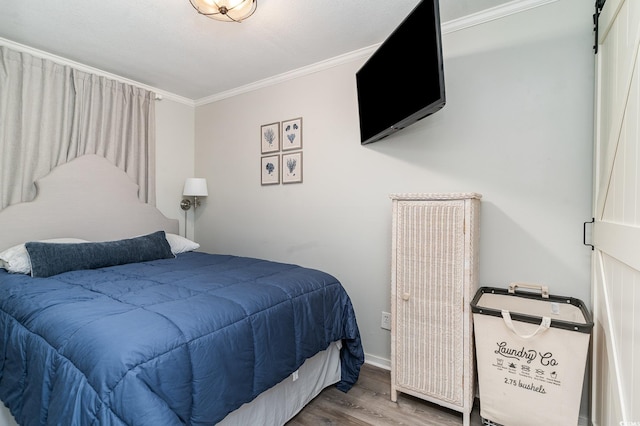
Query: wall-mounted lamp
(193, 187)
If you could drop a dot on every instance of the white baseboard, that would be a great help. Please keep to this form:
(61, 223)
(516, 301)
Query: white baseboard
(377, 361)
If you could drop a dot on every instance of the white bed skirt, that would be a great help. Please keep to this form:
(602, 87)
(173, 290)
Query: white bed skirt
(279, 404)
(6, 419)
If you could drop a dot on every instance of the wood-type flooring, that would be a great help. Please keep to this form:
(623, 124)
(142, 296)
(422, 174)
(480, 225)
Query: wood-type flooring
(369, 403)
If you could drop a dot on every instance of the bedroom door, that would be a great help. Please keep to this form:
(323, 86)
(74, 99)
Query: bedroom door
(616, 231)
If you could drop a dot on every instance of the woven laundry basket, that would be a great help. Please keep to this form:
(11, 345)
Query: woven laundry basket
(531, 351)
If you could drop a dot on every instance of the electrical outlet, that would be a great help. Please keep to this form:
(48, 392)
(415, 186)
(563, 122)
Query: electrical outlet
(386, 321)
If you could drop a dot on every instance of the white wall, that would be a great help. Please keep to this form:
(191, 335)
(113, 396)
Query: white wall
(517, 128)
(174, 158)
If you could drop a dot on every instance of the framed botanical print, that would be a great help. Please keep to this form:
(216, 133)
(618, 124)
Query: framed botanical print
(270, 138)
(292, 167)
(270, 170)
(292, 134)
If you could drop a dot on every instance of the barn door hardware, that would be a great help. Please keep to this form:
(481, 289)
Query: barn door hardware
(599, 5)
(584, 233)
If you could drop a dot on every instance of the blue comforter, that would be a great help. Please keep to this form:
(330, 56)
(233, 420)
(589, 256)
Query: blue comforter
(164, 342)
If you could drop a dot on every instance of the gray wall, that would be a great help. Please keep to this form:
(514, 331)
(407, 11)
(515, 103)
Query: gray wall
(517, 128)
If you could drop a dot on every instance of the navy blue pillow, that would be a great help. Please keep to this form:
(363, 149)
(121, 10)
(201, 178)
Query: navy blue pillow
(49, 259)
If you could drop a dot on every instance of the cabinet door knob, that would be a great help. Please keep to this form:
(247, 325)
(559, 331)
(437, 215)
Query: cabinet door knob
(405, 296)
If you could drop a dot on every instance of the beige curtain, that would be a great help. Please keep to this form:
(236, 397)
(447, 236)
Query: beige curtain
(51, 113)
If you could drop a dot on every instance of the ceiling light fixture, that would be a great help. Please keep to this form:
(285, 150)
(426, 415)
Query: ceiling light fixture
(225, 10)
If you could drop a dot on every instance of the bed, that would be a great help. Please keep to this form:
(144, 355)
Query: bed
(122, 321)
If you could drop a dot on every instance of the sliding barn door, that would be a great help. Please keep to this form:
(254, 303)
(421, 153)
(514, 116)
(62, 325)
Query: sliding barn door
(616, 231)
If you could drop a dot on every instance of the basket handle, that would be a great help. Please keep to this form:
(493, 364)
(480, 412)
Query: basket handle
(544, 290)
(544, 325)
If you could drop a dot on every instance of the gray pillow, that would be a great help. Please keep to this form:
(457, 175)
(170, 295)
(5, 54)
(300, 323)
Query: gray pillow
(49, 259)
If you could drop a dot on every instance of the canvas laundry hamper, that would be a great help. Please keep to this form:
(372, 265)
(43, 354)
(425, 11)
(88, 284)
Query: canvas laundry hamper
(531, 352)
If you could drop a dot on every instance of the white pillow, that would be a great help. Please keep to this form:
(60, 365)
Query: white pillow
(181, 244)
(16, 259)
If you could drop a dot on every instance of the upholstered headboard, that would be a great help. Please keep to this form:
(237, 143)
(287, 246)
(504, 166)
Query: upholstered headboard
(86, 198)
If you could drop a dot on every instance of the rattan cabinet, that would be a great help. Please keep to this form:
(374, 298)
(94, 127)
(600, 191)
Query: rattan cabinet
(434, 278)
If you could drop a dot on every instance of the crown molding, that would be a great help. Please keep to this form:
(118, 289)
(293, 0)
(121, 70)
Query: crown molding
(498, 12)
(492, 14)
(290, 75)
(469, 21)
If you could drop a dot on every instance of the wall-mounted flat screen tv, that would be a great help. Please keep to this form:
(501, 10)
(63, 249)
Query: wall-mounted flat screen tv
(403, 80)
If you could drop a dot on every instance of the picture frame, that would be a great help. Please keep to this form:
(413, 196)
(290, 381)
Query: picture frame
(270, 138)
(292, 167)
(292, 134)
(270, 170)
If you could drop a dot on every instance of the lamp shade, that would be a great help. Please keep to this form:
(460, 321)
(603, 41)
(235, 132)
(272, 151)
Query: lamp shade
(195, 187)
(226, 10)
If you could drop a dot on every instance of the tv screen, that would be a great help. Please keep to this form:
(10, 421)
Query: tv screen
(403, 80)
